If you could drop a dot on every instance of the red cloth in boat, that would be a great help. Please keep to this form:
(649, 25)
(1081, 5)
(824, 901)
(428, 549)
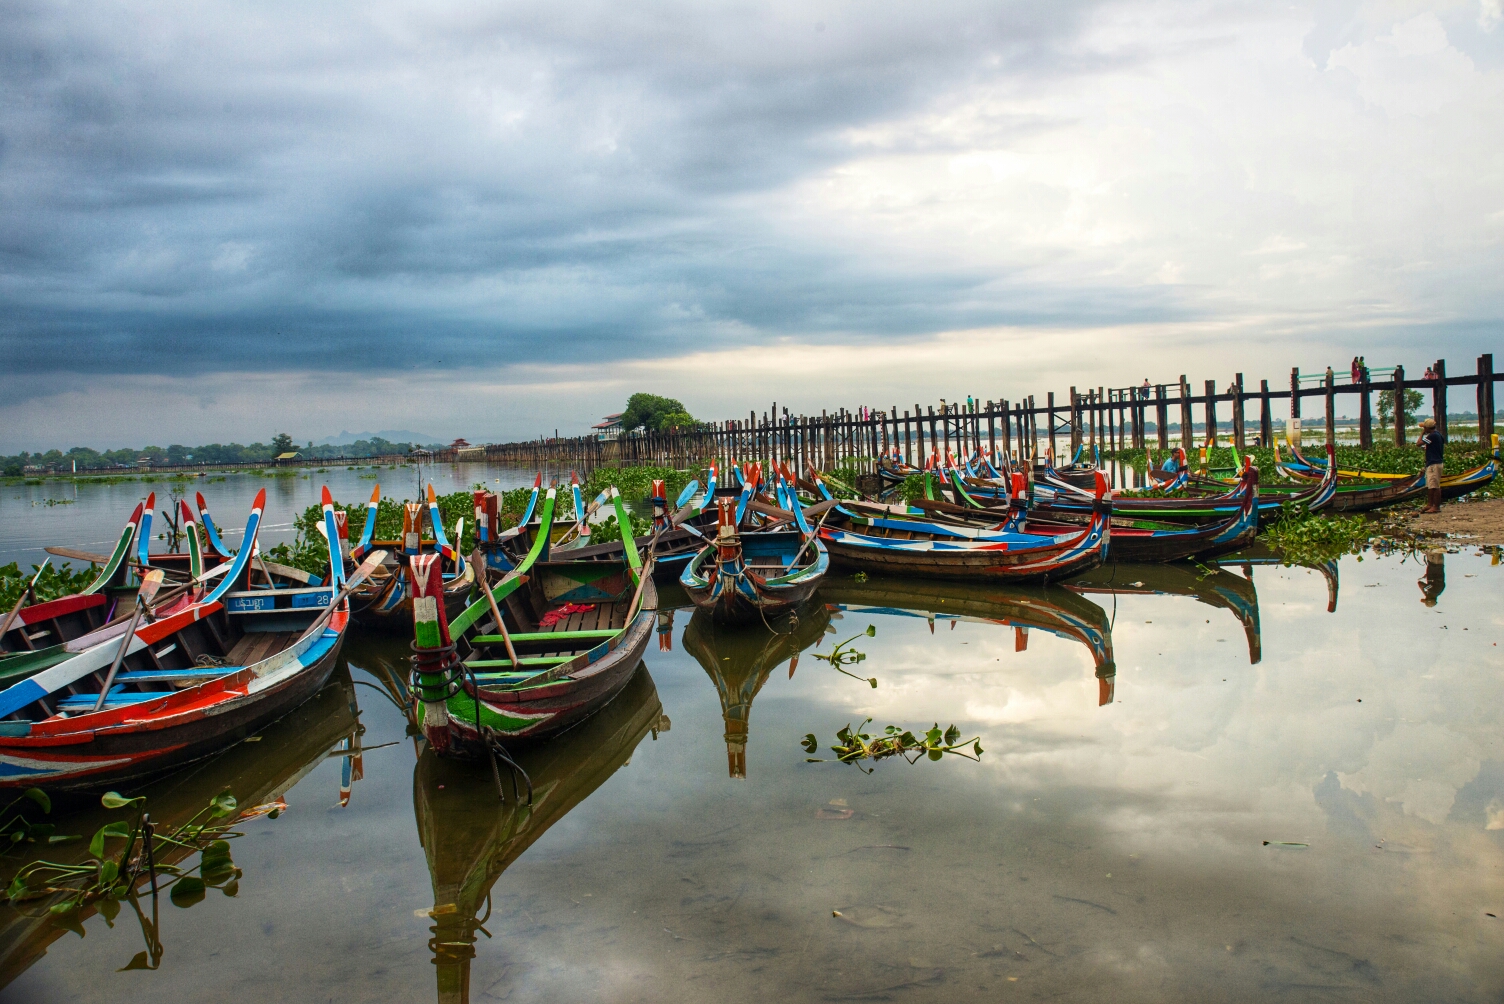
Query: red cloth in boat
(560, 613)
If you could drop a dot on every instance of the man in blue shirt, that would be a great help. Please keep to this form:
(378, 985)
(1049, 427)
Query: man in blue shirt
(1433, 442)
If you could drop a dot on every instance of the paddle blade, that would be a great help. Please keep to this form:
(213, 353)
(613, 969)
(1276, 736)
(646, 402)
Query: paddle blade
(150, 583)
(372, 562)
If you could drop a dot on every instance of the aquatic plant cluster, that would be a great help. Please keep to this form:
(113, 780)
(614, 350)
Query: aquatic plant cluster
(124, 858)
(56, 580)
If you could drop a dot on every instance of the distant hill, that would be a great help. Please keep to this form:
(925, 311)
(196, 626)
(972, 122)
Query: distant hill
(390, 435)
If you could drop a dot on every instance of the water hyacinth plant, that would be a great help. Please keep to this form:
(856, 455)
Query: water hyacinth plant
(853, 747)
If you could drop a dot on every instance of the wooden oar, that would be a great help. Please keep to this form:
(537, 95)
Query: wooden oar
(150, 583)
(485, 587)
(79, 555)
(15, 611)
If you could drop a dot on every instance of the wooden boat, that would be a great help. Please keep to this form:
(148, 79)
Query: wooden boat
(572, 634)
(1058, 611)
(132, 702)
(739, 661)
(1133, 539)
(678, 532)
(745, 578)
(470, 838)
(385, 601)
(259, 775)
(893, 543)
(1063, 502)
(33, 636)
(1216, 587)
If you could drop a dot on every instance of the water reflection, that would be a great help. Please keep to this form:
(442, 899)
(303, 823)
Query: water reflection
(470, 837)
(1213, 585)
(739, 660)
(256, 773)
(1046, 608)
(1435, 580)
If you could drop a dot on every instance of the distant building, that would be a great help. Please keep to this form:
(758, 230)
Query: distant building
(459, 444)
(608, 428)
(288, 457)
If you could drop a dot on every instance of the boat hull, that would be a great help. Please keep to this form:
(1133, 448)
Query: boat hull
(137, 750)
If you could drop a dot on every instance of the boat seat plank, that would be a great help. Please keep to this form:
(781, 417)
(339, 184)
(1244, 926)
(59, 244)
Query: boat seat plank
(552, 660)
(537, 636)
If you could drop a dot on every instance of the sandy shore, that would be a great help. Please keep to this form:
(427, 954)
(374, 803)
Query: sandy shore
(1480, 522)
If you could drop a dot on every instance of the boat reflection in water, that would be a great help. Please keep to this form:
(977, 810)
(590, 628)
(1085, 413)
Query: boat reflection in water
(256, 773)
(470, 837)
(739, 660)
(1059, 611)
(1213, 585)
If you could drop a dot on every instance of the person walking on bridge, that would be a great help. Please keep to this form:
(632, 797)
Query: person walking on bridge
(1433, 442)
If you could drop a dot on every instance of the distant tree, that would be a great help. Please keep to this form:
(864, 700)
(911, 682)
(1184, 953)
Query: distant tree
(1386, 406)
(281, 443)
(654, 413)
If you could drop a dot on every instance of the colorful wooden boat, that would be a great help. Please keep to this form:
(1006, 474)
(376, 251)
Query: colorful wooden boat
(32, 636)
(385, 601)
(740, 660)
(132, 702)
(678, 533)
(470, 838)
(743, 578)
(571, 635)
(258, 775)
(896, 544)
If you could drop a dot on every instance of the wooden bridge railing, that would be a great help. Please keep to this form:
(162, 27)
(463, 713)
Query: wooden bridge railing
(1115, 418)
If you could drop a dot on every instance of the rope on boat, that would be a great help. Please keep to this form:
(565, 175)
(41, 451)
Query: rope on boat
(437, 675)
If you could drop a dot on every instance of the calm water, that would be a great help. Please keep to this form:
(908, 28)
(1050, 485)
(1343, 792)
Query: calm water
(1145, 735)
(89, 515)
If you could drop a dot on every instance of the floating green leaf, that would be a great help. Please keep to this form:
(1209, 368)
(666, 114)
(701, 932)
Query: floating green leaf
(187, 891)
(222, 804)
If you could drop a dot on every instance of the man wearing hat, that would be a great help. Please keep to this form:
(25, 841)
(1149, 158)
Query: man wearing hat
(1432, 441)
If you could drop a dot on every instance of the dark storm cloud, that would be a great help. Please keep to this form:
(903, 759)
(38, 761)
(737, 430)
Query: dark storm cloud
(272, 186)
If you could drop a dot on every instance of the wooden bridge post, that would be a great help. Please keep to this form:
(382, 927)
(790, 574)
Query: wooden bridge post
(1486, 398)
(991, 430)
(1365, 411)
(1399, 406)
(1439, 397)
(1161, 416)
(1266, 416)
(1211, 413)
(1331, 409)
(1238, 437)
(1294, 392)
(1075, 422)
(1050, 404)
(1187, 433)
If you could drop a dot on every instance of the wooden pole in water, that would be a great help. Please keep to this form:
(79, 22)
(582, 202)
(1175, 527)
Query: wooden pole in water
(1211, 413)
(1266, 416)
(1331, 410)
(1439, 397)
(1399, 406)
(1486, 398)
(1162, 416)
(1365, 411)
(1238, 437)
(1187, 434)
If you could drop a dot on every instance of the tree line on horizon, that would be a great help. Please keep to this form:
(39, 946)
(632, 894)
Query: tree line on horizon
(214, 453)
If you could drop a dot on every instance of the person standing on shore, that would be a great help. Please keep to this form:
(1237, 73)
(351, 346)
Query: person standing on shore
(1432, 441)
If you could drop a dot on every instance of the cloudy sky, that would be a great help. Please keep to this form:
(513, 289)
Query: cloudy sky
(218, 221)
